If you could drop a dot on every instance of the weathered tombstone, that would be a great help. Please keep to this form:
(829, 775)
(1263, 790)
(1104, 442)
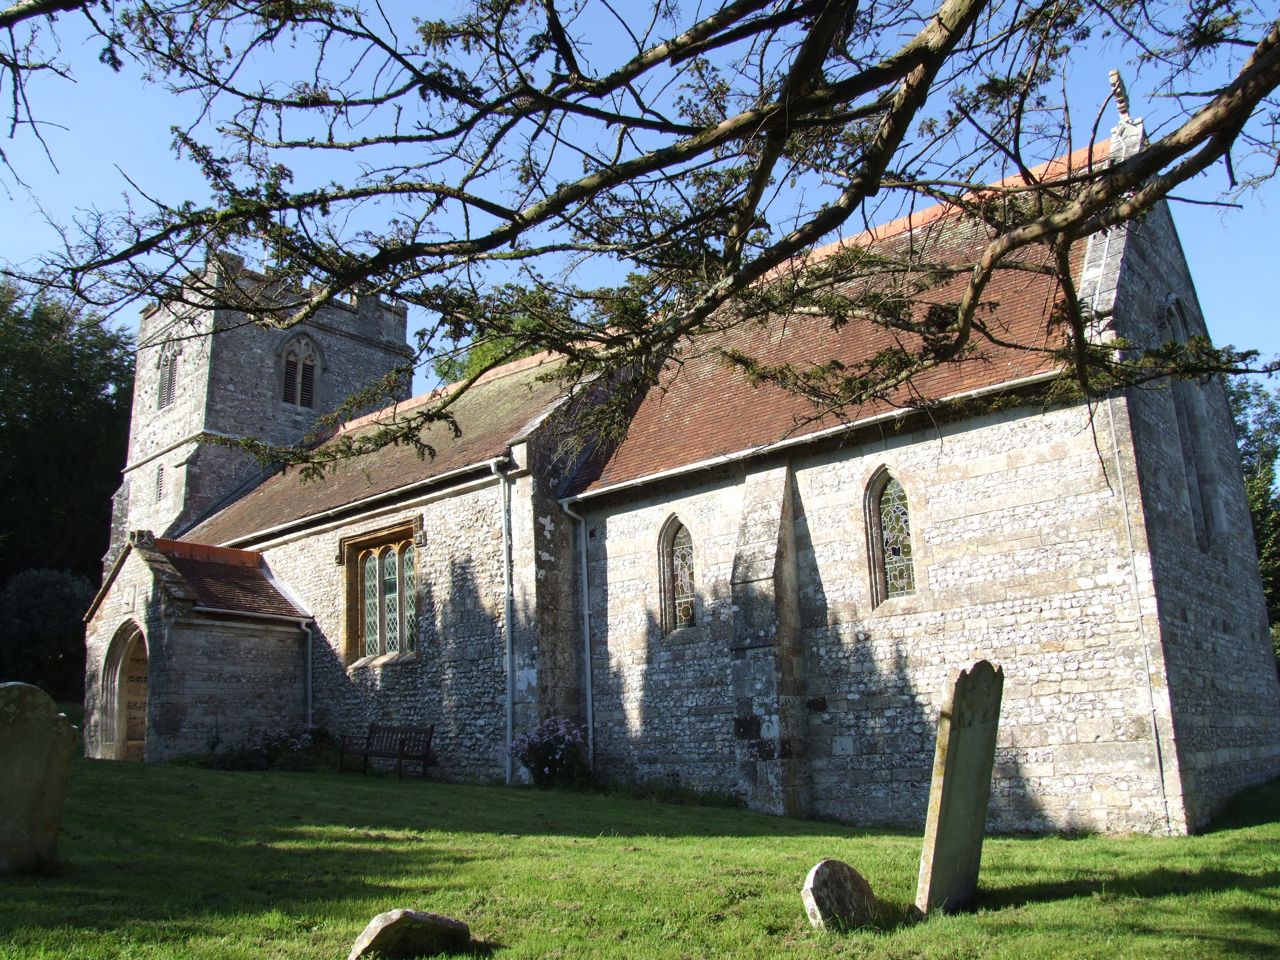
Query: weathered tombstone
(961, 787)
(836, 897)
(403, 933)
(36, 743)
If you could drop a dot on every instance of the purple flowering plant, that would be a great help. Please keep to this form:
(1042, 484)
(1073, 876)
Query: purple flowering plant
(554, 753)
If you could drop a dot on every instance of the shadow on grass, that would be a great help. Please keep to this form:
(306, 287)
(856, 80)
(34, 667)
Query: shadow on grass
(1146, 885)
(171, 852)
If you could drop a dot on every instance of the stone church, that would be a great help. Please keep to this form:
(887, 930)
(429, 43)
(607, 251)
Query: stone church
(736, 597)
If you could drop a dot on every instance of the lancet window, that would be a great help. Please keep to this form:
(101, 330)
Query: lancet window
(678, 584)
(892, 560)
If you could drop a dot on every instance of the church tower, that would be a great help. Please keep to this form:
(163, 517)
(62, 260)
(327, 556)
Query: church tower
(209, 374)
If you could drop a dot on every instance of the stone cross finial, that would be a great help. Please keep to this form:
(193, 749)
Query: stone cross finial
(1120, 93)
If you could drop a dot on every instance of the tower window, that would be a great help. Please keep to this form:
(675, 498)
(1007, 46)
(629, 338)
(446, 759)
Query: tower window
(300, 361)
(168, 376)
(159, 483)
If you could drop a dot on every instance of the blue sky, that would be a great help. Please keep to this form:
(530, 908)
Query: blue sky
(107, 127)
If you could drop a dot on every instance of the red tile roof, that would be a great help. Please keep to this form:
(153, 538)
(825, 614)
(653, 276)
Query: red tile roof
(235, 581)
(703, 409)
(490, 416)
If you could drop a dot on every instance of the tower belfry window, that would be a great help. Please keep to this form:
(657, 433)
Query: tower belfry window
(300, 363)
(168, 376)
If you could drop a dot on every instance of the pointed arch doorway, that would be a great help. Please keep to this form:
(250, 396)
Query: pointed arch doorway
(126, 677)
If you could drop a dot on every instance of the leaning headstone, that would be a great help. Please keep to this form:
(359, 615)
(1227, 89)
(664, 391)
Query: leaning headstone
(36, 743)
(402, 933)
(961, 787)
(836, 897)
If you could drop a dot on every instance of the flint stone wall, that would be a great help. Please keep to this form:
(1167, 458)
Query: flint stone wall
(211, 683)
(1212, 613)
(1022, 557)
(456, 679)
(229, 381)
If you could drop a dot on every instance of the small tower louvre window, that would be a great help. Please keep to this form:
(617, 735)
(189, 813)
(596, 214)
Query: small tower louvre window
(168, 376)
(307, 385)
(299, 386)
(159, 484)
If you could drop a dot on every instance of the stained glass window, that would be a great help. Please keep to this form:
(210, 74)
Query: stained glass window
(682, 589)
(410, 602)
(370, 592)
(390, 601)
(895, 541)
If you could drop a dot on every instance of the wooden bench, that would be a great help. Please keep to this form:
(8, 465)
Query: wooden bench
(388, 742)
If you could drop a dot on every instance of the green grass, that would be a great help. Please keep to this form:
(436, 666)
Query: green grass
(172, 861)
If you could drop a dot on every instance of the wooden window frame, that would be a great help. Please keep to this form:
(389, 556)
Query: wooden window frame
(352, 552)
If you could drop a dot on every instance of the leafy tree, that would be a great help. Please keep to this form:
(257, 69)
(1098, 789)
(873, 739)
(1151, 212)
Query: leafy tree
(1256, 412)
(66, 382)
(41, 631)
(609, 181)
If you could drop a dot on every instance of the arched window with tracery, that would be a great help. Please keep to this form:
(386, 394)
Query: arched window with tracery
(300, 363)
(168, 376)
(387, 595)
(678, 584)
(892, 562)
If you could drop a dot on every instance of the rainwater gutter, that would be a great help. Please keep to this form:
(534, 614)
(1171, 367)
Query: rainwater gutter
(356, 506)
(1006, 386)
(508, 614)
(586, 627)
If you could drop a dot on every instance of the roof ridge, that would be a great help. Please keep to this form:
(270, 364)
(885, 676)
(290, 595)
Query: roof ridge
(1053, 169)
(497, 373)
(192, 550)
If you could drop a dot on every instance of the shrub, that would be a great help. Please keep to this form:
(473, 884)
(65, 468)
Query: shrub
(300, 750)
(554, 753)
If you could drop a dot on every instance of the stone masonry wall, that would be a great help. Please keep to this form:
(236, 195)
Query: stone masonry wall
(456, 679)
(132, 598)
(1022, 556)
(228, 382)
(211, 682)
(1213, 621)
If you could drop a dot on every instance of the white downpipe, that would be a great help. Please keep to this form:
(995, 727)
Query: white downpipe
(306, 628)
(586, 629)
(508, 613)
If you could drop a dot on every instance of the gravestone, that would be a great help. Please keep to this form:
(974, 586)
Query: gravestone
(36, 743)
(962, 764)
(404, 933)
(836, 897)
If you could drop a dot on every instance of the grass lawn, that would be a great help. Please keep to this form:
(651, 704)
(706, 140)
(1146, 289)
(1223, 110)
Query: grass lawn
(172, 861)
